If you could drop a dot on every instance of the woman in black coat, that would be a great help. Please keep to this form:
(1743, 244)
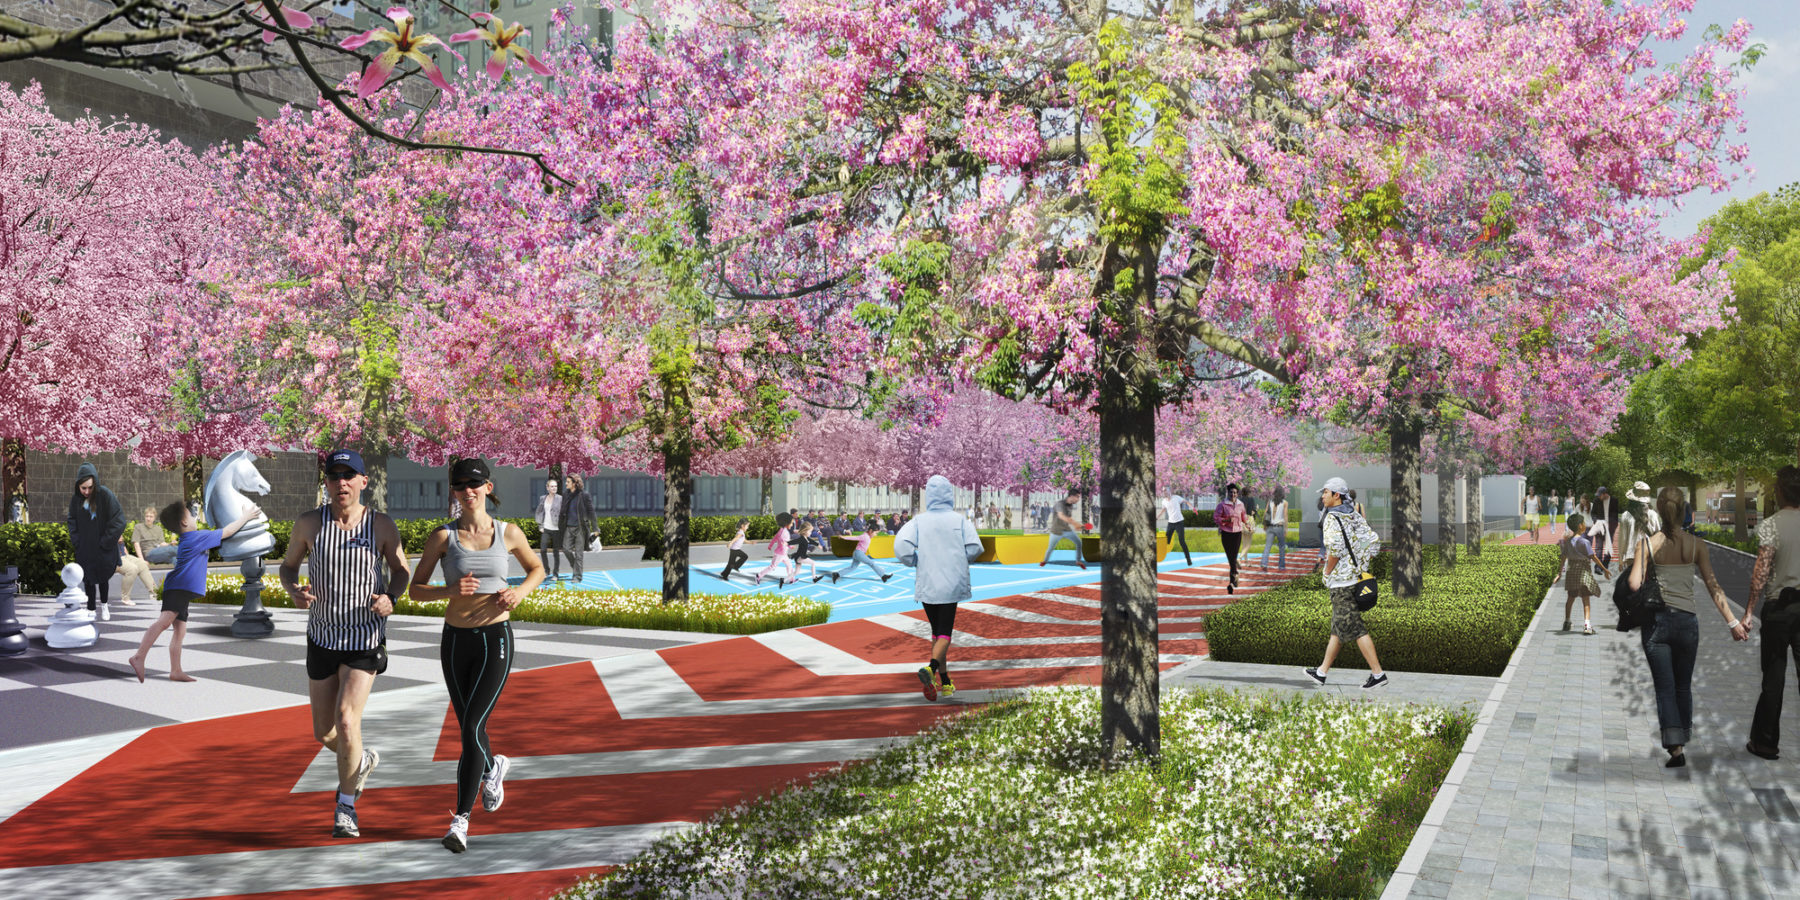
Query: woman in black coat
(96, 523)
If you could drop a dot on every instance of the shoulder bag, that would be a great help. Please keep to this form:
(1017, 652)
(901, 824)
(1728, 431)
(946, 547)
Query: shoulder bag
(1640, 606)
(1364, 591)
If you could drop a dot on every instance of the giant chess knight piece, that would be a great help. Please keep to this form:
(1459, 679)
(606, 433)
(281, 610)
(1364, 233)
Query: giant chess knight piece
(73, 625)
(225, 502)
(12, 631)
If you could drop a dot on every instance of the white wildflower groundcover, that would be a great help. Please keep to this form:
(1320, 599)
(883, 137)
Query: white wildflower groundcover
(1255, 796)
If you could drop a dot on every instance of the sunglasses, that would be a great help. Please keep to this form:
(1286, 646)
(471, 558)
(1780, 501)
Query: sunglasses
(467, 485)
(340, 475)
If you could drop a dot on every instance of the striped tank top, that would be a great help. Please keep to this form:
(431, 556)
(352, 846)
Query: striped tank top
(345, 570)
(487, 565)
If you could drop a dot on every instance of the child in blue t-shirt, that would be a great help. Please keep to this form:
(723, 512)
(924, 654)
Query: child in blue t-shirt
(185, 584)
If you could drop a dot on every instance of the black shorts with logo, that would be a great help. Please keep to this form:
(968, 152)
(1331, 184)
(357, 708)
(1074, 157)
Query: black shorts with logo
(322, 663)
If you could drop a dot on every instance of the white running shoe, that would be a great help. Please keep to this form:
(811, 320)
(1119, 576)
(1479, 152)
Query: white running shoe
(369, 761)
(456, 840)
(493, 787)
(106, 612)
(344, 823)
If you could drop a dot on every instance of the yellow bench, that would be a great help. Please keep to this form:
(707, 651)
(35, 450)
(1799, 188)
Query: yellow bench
(1090, 547)
(1012, 549)
(881, 546)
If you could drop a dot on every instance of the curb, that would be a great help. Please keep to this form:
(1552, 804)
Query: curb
(1407, 873)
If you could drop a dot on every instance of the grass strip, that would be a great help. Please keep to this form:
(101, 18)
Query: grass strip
(1255, 796)
(711, 613)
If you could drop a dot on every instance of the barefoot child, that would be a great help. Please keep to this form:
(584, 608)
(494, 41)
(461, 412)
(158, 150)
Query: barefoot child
(185, 584)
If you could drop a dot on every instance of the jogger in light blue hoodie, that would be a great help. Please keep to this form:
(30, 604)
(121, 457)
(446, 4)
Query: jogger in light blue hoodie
(940, 543)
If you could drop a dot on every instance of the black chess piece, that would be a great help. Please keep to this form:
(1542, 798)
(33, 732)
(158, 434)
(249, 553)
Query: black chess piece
(12, 631)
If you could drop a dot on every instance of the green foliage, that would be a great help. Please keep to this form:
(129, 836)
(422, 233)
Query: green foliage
(39, 550)
(1736, 403)
(711, 613)
(1139, 184)
(1464, 622)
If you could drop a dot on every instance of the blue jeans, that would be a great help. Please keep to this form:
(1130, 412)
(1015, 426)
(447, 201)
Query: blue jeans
(859, 558)
(1056, 540)
(1275, 538)
(1670, 645)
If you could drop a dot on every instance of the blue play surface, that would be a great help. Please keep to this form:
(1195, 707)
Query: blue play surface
(863, 594)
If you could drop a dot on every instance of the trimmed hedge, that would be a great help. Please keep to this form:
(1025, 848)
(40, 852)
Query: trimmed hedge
(710, 613)
(41, 549)
(1464, 622)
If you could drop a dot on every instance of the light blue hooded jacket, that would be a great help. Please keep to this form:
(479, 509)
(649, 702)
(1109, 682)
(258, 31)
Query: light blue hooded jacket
(940, 543)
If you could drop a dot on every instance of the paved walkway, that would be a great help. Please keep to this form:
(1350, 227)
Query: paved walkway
(609, 754)
(1566, 795)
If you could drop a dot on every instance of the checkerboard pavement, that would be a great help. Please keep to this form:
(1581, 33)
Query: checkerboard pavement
(52, 695)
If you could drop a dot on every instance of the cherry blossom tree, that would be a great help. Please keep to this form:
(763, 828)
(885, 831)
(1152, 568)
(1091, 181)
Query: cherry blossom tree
(1374, 200)
(100, 226)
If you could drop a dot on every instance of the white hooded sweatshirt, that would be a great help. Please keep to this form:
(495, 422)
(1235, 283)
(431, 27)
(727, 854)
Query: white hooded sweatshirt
(940, 543)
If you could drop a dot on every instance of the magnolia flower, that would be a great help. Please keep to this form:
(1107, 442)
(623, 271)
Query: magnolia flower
(405, 45)
(500, 38)
(293, 18)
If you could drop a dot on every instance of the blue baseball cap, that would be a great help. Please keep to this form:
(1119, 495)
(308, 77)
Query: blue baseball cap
(348, 458)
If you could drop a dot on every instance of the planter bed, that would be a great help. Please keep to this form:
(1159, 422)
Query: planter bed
(712, 613)
(1255, 796)
(1464, 622)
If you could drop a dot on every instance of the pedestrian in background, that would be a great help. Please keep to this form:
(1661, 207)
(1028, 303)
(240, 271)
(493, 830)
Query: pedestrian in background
(96, 523)
(1775, 588)
(1349, 546)
(1275, 529)
(577, 526)
(1229, 517)
(549, 519)
(1579, 563)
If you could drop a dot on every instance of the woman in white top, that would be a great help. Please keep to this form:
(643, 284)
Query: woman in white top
(1775, 589)
(1531, 516)
(1176, 524)
(1275, 527)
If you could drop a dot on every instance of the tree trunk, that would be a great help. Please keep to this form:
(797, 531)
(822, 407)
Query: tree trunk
(377, 464)
(193, 477)
(915, 501)
(1446, 512)
(1129, 682)
(678, 494)
(1024, 511)
(12, 481)
(1405, 433)
(768, 492)
(843, 499)
(1477, 513)
(1740, 510)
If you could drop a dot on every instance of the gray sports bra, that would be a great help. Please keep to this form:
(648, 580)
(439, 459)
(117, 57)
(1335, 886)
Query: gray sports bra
(489, 565)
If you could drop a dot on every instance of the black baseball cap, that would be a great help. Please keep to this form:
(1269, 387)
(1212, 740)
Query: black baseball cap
(348, 458)
(471, 469)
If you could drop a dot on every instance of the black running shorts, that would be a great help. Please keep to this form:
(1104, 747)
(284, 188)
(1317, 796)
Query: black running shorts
(322, 663)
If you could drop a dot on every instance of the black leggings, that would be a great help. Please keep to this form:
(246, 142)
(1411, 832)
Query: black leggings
(738, 558)
(1233, 540)
(1178, 530)
(98, 587)
(476, 663)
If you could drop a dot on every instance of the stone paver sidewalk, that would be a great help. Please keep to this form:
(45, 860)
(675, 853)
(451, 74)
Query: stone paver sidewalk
(1566, 794)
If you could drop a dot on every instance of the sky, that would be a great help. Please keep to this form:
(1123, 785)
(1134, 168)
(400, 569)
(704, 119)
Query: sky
(1771, 92)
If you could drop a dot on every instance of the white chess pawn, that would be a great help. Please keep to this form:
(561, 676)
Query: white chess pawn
(73, 625)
